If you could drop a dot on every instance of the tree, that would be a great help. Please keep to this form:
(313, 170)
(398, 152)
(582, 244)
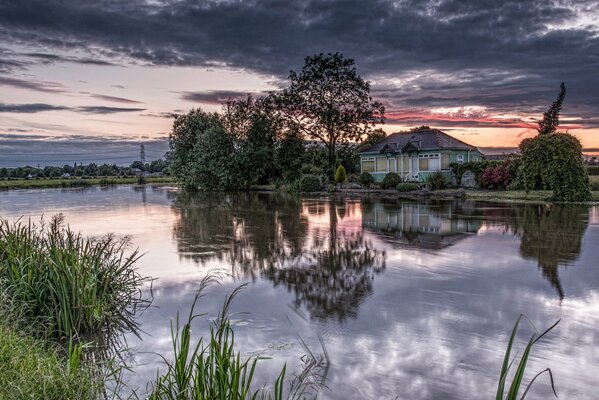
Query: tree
(138, 164)
(553, 160)
(255, 128)
(328, 101)
(550, 119)
(185, 135)
(289, 154)
(373, 138)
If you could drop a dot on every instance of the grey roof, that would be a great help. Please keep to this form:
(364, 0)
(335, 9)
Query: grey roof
(424, 139)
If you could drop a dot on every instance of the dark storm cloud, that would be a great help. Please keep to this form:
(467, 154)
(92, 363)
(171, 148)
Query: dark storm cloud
(501, 55)
(40, 107)
(212, 96)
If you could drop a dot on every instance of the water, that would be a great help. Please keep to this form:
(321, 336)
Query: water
(412, 300)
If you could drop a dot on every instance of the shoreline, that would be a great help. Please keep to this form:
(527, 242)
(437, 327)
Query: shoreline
(13, 184)
(501, 196)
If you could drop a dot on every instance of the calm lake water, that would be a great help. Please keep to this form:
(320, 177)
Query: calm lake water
(411, 300)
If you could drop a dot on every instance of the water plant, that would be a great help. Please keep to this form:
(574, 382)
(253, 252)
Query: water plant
(516, 384)
(68, 285)
(215, 370)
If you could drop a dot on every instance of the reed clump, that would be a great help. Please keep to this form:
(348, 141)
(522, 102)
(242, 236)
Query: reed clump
(66, 285)
(213, 369)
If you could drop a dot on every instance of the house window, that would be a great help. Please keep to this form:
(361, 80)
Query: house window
(368, 164)
(429, 162)
(392, 164)
(460, 159)
(445, 161)
(381, 164)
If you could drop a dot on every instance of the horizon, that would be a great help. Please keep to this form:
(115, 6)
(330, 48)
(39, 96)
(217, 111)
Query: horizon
(78, 79)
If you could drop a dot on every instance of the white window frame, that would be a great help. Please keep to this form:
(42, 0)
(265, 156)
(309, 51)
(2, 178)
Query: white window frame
(460, 159)
(362, 159)
(434, 155)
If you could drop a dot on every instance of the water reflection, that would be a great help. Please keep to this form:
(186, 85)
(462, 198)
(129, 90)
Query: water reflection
(549, 234)
(314, 248)
(424, 225)
(419, 308)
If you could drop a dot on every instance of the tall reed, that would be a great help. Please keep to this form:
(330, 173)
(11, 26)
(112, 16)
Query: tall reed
(68, 285)
(215, 370)
(516, 384)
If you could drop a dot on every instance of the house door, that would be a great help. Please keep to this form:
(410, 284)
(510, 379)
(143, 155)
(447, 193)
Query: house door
(414, 167)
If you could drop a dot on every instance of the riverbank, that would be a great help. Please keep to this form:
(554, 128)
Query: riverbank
(8, 184)
(517, 195)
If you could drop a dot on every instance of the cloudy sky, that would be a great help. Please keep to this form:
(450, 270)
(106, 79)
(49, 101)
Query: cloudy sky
(81, 77)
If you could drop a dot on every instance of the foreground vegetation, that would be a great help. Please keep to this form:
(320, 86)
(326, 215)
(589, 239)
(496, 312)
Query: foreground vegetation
(214, 369)
(36, 369)
(66, 300)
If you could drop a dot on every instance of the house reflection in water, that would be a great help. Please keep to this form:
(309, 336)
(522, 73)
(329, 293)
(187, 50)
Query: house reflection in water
(427, 226)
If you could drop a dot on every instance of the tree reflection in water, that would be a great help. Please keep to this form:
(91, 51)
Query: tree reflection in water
(313, 247)
(317, 250)
(550, 234)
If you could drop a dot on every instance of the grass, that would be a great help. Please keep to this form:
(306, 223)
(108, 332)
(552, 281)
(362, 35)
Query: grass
(516, 195)
(215, 370)
(34, 369)
(6, 184)
(516, 384)
(67, 285)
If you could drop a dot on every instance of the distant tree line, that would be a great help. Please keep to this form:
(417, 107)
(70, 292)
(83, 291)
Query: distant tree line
(84, 170)
(310, 128)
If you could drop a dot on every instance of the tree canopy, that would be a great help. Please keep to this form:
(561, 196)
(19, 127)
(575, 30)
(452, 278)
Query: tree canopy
(328, 101)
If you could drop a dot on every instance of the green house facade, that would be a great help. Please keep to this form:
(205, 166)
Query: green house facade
(416, 154)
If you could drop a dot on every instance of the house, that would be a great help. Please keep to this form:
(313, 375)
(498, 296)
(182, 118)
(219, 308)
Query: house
(416, 154)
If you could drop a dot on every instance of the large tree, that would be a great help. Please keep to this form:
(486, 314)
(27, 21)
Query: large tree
(328, 101)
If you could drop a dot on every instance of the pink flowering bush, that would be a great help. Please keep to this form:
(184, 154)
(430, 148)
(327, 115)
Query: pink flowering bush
(497, 176)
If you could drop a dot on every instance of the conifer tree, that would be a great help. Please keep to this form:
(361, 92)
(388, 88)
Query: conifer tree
(550, 119)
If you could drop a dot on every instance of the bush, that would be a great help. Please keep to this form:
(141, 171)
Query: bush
(310, 169)
(390, 181)
(354, 178)
(340, 174)
(497, 176)
(554, 161)
(593, 169)
(437, 181)
(310, 183)
(366, 179)
(407, 186)
(594, 185)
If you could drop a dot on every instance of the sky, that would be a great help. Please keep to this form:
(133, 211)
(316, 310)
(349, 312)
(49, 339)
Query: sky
(82, 80)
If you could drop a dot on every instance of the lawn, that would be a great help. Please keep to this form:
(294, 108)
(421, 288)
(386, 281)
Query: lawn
(516, 195)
